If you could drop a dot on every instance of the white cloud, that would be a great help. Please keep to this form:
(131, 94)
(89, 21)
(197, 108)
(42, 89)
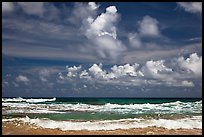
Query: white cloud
(84, 74)
(152, 73)
(157, 70)
(7, 7)
(95, 69)
(108, 47)
(73, 71)
(193, 63)
(103, 24)
(32, 8)
(149, 27)
(155, 67)
(61, 76)
(127, 69)
(93, 5)
(134, 40)
(116, 72)
(22, 78)
(187, 83)
(193, 7)
(97, 72)
(101, 31)
(81, 11)
(44, 73)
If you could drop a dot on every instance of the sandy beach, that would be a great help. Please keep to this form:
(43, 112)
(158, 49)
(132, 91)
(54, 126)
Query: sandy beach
(11, 128)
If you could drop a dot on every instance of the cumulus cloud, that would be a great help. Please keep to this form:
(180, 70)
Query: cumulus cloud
(93, 5)
(32, 8)
(7, 7)
(97, 72)
(134, 40)
(149, 27)
(84, 74)
(61, 76)
(151, 73)
(193, 63)
(187, 83)
(44, 73)
(192, 7)
(103, 24)
(73, 71)
(95, 69)
(101, 31)
(22, 78)
(127, 69)
(81, 11)
(156, 69)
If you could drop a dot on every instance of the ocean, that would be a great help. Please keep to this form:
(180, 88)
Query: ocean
(104, 113)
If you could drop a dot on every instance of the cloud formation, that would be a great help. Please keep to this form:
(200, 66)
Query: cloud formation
(156, 69)
(134, 40)
(22, 78)
(7, 7)
(149, 27)
(187, 83)
(151, 73)
(192, 7)
(193, 63)
(32, 8)
(101, 31)
(82, 11)
(85, 32)
(93, 5)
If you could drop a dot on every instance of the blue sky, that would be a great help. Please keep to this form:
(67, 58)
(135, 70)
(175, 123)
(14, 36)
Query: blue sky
(105, 49)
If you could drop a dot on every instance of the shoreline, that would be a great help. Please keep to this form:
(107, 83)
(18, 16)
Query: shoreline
(20, 128)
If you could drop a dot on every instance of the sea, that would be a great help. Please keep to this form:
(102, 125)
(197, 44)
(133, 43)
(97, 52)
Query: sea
(104, 113)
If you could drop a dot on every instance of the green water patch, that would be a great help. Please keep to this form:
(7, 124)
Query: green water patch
(84, 116)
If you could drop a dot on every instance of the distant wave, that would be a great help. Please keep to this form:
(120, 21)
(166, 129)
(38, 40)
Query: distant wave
(184, 123)
(19, 99)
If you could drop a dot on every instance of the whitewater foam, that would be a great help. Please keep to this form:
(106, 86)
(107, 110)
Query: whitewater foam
(165, 108)
(185, 123)
(19, 99)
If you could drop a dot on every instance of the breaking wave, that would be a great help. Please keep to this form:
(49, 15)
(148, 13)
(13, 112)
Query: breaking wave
(184, 123)
(164, 108)
(19, 99)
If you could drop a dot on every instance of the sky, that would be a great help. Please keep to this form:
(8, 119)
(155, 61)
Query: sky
(102, 49)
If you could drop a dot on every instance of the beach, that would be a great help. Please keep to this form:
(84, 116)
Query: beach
(20, 128)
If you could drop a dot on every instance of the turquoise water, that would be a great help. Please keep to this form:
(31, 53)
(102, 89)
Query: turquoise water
(104, 108)
(113, 110)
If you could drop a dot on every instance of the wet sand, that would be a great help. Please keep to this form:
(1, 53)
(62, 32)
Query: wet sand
(11, 128)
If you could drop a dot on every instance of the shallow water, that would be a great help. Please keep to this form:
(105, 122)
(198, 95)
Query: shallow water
(103, 113)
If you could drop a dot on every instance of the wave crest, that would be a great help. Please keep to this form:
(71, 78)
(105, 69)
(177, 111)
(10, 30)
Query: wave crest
(19, 99)
(184, 123)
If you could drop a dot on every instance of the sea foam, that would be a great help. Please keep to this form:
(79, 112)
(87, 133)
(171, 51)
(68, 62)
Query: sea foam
(184, 123)
(19, 99)
(164, 108)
